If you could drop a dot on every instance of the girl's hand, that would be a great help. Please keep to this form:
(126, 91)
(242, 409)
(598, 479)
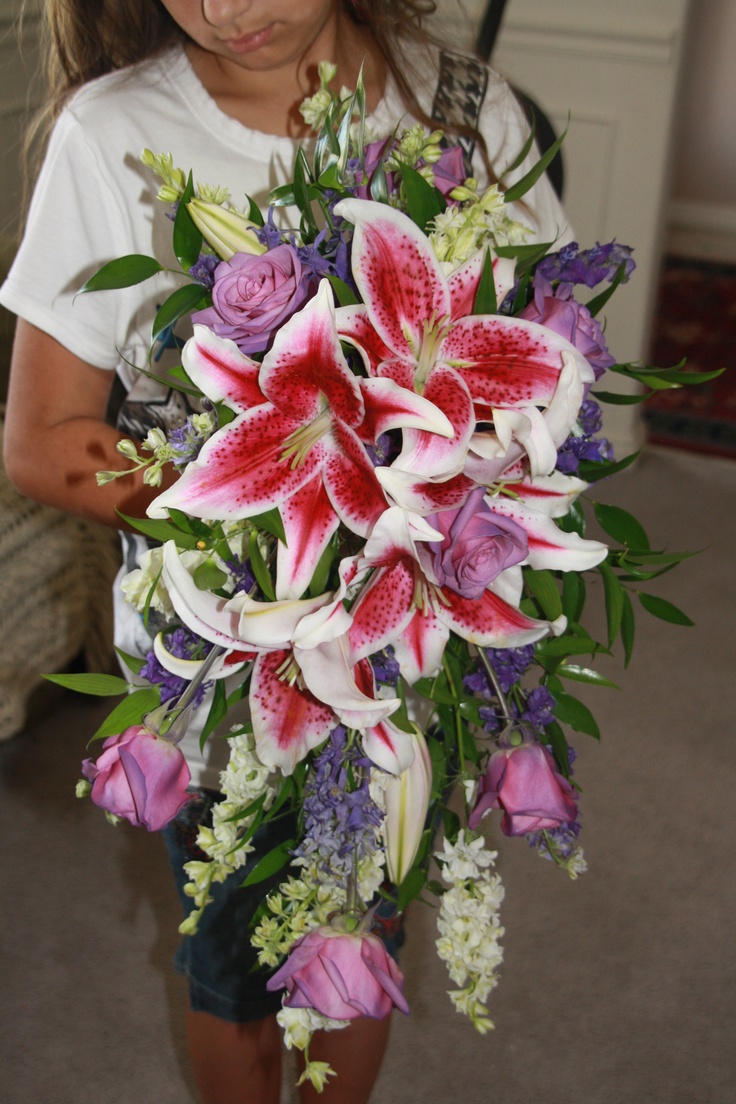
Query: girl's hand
(56, 437)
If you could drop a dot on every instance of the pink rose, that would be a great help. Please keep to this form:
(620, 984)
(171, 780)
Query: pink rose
(478, 545)
(254, 295)
(139, 776)
(525, 783)
(557, 310)
(342, 975)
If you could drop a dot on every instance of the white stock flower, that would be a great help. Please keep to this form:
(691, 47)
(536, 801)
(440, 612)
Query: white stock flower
(137, 584)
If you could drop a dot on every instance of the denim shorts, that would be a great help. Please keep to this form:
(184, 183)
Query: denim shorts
(218, 961)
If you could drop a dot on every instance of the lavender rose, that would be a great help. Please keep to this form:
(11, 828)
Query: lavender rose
(139, 776)
(342, 975)
(254, 295)
(478, 545)
(525, 783)
(556, 309)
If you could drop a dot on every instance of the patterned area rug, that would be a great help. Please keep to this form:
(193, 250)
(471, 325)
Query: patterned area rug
(696, 318)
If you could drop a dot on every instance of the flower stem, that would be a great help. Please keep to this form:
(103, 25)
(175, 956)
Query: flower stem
(493, 678)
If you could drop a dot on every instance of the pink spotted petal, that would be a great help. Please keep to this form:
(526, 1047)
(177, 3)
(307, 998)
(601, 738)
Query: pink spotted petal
(241, 471)
(428, 454)
(490, 622)
(218, 367)
(309, 522)
(305, 366)
(507, 361)
(350, 481)
(329, 673)
(355, 327)
(383, 609)
(420, 647)
(549, 547)
(551, 494)
(385, 745)
(388, 406)
(287, 721)
(464, 282)
(399, 278)
(411, 493)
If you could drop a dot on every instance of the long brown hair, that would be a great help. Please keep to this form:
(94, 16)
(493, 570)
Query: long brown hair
(84, 39)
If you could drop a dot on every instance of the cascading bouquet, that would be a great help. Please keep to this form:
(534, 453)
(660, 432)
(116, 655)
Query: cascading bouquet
(377, 540)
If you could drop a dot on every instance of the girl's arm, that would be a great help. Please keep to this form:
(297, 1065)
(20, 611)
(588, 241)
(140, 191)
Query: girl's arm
(56, 437)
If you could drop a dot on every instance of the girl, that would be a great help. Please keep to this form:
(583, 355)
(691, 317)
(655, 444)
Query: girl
(217, 84)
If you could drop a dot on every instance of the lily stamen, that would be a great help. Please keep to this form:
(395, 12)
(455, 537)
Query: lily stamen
(299, 444)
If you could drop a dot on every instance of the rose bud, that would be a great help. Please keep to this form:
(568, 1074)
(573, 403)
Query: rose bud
(525, 783)
(341, 974)
(139, 776)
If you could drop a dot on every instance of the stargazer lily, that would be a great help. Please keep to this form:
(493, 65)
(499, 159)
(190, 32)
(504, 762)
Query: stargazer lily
(415, 327)
(297, 689)
(299, 448)
(400, 606)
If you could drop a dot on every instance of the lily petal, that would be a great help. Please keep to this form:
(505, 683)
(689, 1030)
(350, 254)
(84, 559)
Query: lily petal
(218, 367)
(288, 721)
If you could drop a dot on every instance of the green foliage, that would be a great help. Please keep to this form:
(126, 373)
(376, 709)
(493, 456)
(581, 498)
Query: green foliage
(122, 273)
(187, 238)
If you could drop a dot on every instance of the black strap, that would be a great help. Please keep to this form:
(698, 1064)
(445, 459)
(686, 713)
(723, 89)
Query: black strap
(489, 28)
(461, 89)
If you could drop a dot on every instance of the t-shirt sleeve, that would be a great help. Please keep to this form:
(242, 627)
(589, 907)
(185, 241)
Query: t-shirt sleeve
(505, 128)
(75, 224)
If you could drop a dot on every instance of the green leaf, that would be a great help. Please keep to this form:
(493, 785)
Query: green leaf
(596, 305)
(123, 272)
(614, 601)
(423, 201)
(258, 566)
(345, 295)
(187, 238)
(411, 887)
(270, 864)
(130, 711)
(270, 522)
(585, 674)
(628, 626)
(573, 712)
(132, 662)
(524, 152)
(574, 520)
(530, 179)
(217, 712)
(526, 256)
(622, 526)
(161, 530)
(617, 398)
(566, 646)
(591, 471)
(663, 609)
(302, 180)
(573, 595)
(556, 737)
(321, 576)
(254, 212)
(180, 303)
(101, 686)
(544, 588)
(283, 196)
(208, 576)
(486, 300)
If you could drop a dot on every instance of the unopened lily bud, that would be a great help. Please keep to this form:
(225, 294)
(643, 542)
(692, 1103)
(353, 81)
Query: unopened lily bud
(407, 801)
(226, 231)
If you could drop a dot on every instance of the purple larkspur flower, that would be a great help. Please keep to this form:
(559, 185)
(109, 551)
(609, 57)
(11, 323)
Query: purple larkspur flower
(385, 667)
(539, 706)
(587, 266)
(242, 575)
(562, 840)
(340, 816)
(186, 442)
(203, 272)
(182, 644)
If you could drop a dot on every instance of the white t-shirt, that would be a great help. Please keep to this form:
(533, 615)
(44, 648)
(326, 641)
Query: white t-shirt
(95, 201)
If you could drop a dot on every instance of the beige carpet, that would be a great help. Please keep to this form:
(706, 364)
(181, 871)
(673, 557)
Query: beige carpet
(617, 988)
